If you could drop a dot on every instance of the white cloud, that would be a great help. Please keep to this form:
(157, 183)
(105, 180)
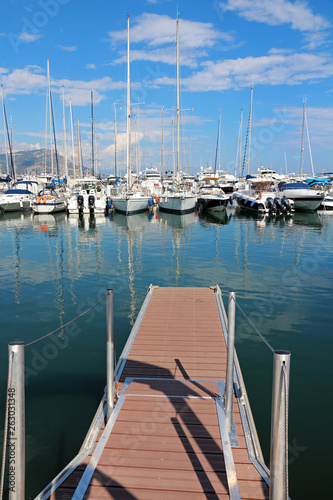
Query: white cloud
(32, 80)
(158, 33)
(276, 12)
(90, 66)
(73, 48)
(274, 69)
(29, 37)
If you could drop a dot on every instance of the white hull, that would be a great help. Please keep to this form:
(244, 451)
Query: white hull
(127, 204)
(49, 208)
(307, 204)
(304, 199)
(15, 204)
(177, 203)
(327, 203)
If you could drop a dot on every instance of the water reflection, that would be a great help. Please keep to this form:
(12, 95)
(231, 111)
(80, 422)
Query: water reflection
(132, 227)
(223, 217)
(177, 220)
(48, 223)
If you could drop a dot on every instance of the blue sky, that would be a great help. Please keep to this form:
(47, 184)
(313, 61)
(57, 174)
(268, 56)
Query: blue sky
(283, 48)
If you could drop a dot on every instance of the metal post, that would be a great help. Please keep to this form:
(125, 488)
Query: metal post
(279, 423)
(229, 385)
(16, 422)
(109, 352)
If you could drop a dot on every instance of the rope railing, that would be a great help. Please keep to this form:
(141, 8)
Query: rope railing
(14, 428)
(67, 324)
(279, 479)
(254, 327)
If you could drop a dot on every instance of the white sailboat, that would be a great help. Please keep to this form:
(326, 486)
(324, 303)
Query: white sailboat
(177, 199)
(49, 200)
(127, 201)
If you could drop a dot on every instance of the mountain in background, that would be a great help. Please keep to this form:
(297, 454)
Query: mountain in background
(35, 162)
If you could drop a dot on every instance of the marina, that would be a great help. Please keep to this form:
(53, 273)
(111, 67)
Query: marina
(294, 258)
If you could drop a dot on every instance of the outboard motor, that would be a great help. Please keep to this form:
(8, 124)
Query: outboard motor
(80, 202)
(91, 202)
(278, 204)
(270, 205)
(286, 204)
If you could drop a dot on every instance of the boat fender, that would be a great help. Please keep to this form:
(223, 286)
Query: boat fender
(109, 203)
(150, 202)
(260, 194)
(41, 199)
(156, 199)
(230, 200)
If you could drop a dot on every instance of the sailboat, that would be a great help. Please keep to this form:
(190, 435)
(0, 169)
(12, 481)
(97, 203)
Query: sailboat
(49, 200)
(177, 198)
(305, 198)
(128, 201)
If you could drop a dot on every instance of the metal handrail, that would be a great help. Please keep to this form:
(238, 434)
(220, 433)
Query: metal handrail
(279, 480)
(15, 392)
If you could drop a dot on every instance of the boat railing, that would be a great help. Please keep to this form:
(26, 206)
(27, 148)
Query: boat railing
(277, 478)
(14, 431)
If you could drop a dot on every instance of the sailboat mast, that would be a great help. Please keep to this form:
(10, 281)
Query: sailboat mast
(302, 146)
(307, 134)
(7, 137)
(219, 140)
(50, 113)
(162, 150)
(64, 132)
(128, 108)
(12, 140)
(92, 136)
(177, 57)
(72, 133)
(173, 147)
(250, 126)
(239, 145)
(115, 139)
(217, 153)
(78, 148)
(4, 129)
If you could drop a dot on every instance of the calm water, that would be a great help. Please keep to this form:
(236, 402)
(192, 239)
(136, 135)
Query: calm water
(55, 267)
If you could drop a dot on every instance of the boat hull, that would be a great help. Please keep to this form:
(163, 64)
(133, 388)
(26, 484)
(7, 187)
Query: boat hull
(49, 208)
(212, 204)
(128, 205)
(177, 204)
(18, 205)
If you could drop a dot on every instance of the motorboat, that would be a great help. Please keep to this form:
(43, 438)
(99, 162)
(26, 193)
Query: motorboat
(89, 198)
(212, 198)
(305, 198)
(49, 201)
(257, 196)
(19, 196)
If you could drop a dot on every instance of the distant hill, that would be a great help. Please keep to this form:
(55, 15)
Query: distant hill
(33, 162)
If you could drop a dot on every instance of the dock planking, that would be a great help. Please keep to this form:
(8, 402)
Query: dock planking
(166, 441)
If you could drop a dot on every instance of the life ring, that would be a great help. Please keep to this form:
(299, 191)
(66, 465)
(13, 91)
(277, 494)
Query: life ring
(41, 199)
(147, 192)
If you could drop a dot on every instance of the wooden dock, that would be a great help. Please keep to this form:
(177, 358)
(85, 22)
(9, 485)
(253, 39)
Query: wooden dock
(166, 438)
